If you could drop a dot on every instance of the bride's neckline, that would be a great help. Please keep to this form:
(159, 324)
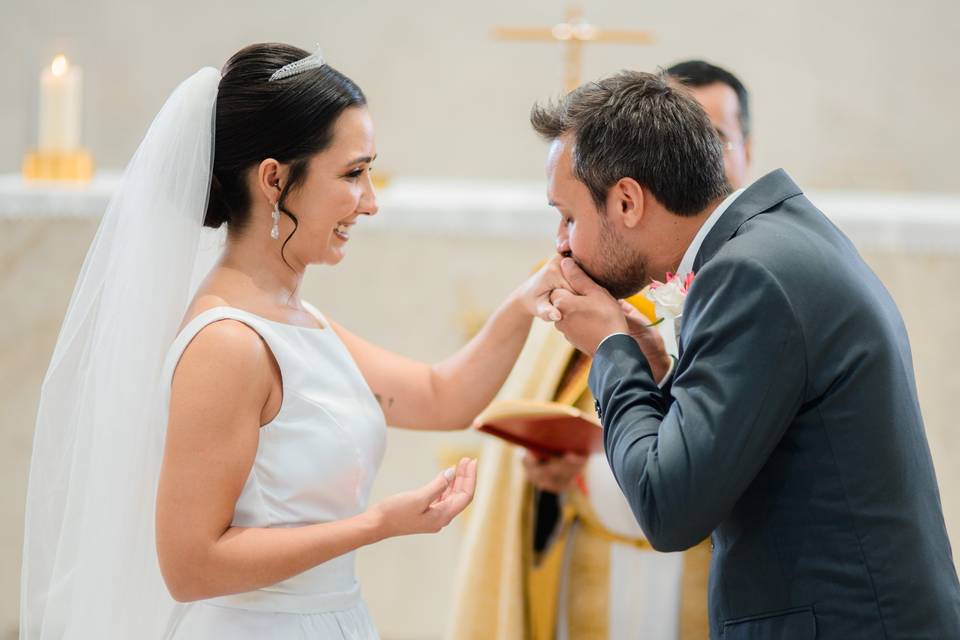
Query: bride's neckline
(269, 320)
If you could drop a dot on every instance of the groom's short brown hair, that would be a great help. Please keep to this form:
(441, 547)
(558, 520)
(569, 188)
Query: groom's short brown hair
(637, 125)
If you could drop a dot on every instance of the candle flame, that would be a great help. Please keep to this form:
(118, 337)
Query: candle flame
(60, 65)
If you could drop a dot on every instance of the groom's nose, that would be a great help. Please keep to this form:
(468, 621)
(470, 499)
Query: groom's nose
(563, 238)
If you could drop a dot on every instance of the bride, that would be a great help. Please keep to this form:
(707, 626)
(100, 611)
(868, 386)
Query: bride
(206, 440)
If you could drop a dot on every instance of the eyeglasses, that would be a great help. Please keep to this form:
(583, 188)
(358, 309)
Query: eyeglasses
(727, 143)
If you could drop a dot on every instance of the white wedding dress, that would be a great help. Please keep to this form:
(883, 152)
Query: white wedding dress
(315, 463)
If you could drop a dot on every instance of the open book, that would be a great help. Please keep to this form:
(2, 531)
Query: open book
(545, 428)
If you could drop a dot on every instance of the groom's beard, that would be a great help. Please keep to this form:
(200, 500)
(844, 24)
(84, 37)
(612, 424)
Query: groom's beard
(620, 270)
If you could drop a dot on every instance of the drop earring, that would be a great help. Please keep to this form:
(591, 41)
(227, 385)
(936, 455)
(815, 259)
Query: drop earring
(275, 229)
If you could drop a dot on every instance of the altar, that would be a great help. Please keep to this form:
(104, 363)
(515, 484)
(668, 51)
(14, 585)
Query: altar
(419, 278)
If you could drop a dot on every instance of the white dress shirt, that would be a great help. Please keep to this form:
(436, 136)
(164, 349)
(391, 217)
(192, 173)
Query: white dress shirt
(686, 264)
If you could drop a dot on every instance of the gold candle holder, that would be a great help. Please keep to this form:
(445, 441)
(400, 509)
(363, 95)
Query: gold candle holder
(59, 154)
(70, 166)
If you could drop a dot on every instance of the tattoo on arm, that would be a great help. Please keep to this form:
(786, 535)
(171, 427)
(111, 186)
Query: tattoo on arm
(386, 404)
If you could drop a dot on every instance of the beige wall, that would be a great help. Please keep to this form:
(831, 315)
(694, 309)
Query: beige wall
(847, 94)
(409, 293)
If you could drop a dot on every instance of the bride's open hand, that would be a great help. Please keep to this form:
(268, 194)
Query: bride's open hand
(535, 292)
(429, 508)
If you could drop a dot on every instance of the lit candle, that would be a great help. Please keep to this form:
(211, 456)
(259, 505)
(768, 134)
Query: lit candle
(60, 107)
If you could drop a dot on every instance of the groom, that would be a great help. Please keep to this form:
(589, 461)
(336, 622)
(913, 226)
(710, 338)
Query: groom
(789, 427)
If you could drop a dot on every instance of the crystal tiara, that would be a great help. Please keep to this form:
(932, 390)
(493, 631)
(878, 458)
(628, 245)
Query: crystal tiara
(312, 61)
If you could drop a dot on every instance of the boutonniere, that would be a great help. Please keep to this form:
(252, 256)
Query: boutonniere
(671, 295)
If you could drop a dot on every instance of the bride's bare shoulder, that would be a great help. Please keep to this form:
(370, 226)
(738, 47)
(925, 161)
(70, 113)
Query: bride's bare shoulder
(223, 382)
(227, 354)
(204, 301)
(229, 342)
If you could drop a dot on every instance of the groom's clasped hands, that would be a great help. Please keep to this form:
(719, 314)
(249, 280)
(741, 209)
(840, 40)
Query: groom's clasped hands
(586, 313)
(562, 293)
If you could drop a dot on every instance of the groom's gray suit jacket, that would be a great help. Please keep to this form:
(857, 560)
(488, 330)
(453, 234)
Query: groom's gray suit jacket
(791, 432)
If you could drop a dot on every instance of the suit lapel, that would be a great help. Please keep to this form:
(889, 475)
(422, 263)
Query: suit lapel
(762, 195)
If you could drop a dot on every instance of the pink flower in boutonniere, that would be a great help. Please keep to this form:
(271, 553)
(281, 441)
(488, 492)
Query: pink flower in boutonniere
(670, 295)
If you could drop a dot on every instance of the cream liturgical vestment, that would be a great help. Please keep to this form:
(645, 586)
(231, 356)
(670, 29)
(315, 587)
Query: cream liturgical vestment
(542, 567)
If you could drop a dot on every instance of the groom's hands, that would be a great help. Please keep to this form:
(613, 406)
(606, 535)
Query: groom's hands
(588, 312)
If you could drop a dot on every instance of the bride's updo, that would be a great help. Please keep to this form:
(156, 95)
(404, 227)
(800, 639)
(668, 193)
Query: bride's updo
(288, 119)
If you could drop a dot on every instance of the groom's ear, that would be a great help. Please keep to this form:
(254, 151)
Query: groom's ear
(627, 201)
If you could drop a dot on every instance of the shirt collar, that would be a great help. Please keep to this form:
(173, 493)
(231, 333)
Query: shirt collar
(686, 264)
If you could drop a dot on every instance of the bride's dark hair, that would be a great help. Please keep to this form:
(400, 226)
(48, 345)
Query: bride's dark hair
(289, 119)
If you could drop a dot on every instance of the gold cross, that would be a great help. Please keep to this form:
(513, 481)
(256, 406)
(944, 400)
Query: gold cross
(573, 33)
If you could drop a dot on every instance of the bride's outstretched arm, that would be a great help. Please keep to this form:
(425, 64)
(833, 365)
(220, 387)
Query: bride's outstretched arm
(450, 394)
(220, 397)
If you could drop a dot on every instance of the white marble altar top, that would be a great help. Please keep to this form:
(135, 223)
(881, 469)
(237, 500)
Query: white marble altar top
(874, 221)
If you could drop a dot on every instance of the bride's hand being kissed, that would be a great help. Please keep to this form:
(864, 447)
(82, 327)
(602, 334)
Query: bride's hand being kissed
(535, 292)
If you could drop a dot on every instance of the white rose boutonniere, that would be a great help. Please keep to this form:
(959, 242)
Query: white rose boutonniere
(671, 295)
